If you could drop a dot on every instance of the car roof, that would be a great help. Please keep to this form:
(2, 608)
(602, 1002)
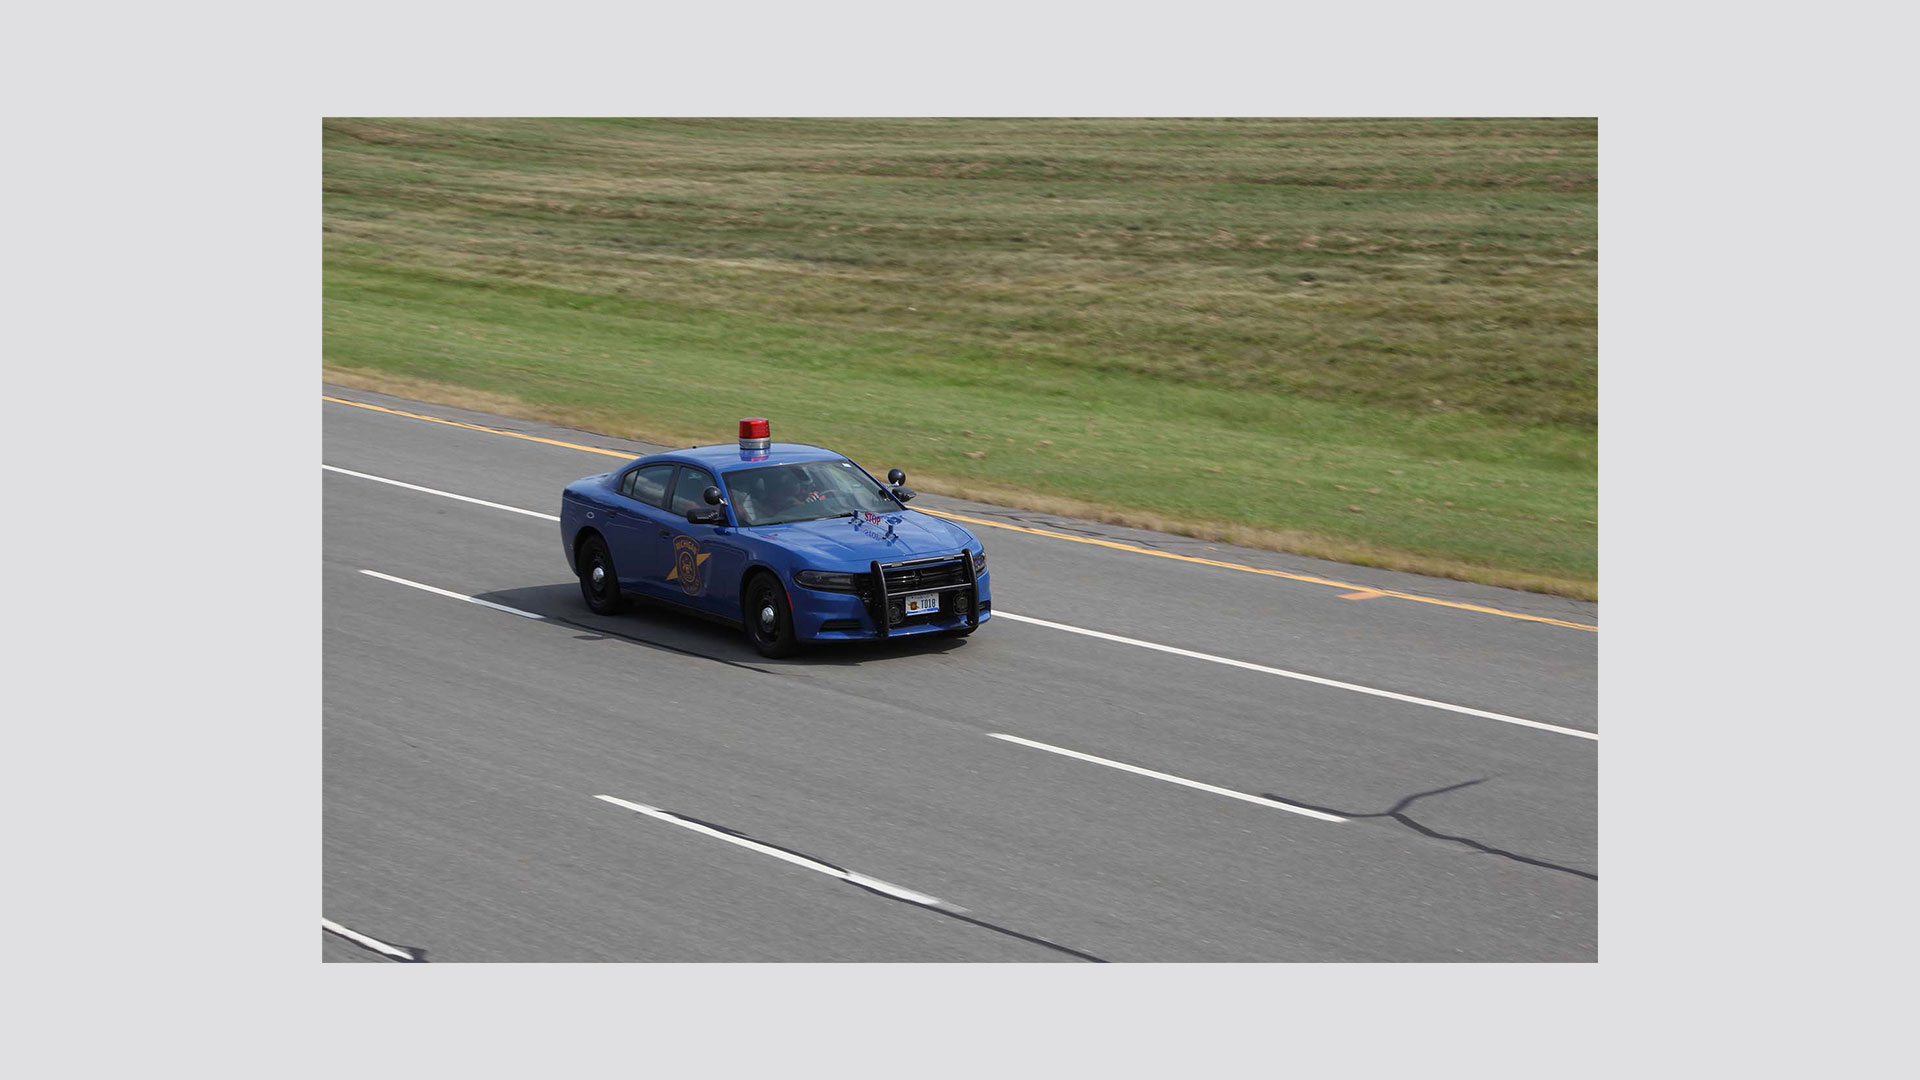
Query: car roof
(727, 457)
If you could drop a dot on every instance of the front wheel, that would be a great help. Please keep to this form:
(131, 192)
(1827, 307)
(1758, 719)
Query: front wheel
(769, 619)
(599, 584)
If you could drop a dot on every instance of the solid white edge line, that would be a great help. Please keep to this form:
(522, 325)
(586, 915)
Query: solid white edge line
(378, 946)
(1285, 674)
(1229, 793)
(1282, 672)
(873, 883)
(455, 595)
(442, 494)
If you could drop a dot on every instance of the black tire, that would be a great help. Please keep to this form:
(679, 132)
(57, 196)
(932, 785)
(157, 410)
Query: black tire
(601, 593)
(769, 620)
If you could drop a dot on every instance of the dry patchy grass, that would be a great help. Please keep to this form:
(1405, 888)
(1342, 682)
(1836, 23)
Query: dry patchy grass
(1396, 315)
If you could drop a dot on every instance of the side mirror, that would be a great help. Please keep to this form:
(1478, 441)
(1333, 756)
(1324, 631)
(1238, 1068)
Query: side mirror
(712, 515)
(896, 477)
(902, 493)
(712, 495)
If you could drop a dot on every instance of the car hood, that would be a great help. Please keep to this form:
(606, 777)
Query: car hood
(852, 542)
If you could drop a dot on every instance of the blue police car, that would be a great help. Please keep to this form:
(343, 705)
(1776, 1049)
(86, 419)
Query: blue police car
(792, 543)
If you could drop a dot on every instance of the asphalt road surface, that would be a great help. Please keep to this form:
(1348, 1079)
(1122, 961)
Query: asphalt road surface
(1390, 767)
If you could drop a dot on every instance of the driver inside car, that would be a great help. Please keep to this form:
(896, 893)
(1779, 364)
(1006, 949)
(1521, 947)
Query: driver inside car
(793, 490)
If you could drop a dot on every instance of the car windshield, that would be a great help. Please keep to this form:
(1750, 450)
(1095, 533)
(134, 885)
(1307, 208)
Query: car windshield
(807, 491)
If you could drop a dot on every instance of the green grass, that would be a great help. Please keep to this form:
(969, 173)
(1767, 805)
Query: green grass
(1372, 340)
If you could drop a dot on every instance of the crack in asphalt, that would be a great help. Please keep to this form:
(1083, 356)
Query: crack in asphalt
(1398, 813)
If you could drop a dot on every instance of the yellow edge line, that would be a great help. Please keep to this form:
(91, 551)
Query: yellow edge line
(1116, 545)
(477, 427)
(1259, 570)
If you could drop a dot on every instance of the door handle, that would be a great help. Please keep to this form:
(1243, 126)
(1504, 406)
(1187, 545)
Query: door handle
(664, 532)
(612, 513)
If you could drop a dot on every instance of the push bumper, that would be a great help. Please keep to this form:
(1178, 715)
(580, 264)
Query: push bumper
(831, 616)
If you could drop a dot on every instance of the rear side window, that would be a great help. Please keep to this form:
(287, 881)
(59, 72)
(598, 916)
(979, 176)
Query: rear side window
(647, 484)
(688, 489)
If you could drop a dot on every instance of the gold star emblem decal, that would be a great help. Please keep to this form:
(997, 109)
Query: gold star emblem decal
(698, 561)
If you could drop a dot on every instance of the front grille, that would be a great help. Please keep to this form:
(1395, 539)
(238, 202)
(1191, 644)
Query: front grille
(885, 589)
(923, 576)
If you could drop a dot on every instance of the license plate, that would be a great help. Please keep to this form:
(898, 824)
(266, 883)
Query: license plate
(923, 603)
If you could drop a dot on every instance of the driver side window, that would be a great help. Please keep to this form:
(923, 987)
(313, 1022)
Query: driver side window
(688, 489)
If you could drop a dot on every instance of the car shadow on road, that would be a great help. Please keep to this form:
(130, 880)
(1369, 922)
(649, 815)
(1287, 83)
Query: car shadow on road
(1398, 813)
(660, 626)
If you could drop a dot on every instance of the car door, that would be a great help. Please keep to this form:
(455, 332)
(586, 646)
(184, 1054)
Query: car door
(705, 560)
(639, 542)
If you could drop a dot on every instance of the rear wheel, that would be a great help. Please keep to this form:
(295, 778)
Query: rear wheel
(769, 620)
(599, 584)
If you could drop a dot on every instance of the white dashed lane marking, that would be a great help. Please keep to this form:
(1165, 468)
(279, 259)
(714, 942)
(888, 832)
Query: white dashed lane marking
(1301, 676)
(884, 887)
(398, 952)
(1260, 800)
(442, 494)
(452, 594)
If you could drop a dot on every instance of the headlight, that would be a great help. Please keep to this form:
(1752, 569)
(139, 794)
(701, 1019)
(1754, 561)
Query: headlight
(980, 561)
(825, 580)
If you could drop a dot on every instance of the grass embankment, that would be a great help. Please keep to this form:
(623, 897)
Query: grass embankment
(1364, 340)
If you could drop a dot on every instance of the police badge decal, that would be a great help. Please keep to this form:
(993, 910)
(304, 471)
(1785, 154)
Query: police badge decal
(687, 561)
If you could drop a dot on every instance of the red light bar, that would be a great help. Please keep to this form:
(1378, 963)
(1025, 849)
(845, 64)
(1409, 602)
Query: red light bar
(755, 433)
